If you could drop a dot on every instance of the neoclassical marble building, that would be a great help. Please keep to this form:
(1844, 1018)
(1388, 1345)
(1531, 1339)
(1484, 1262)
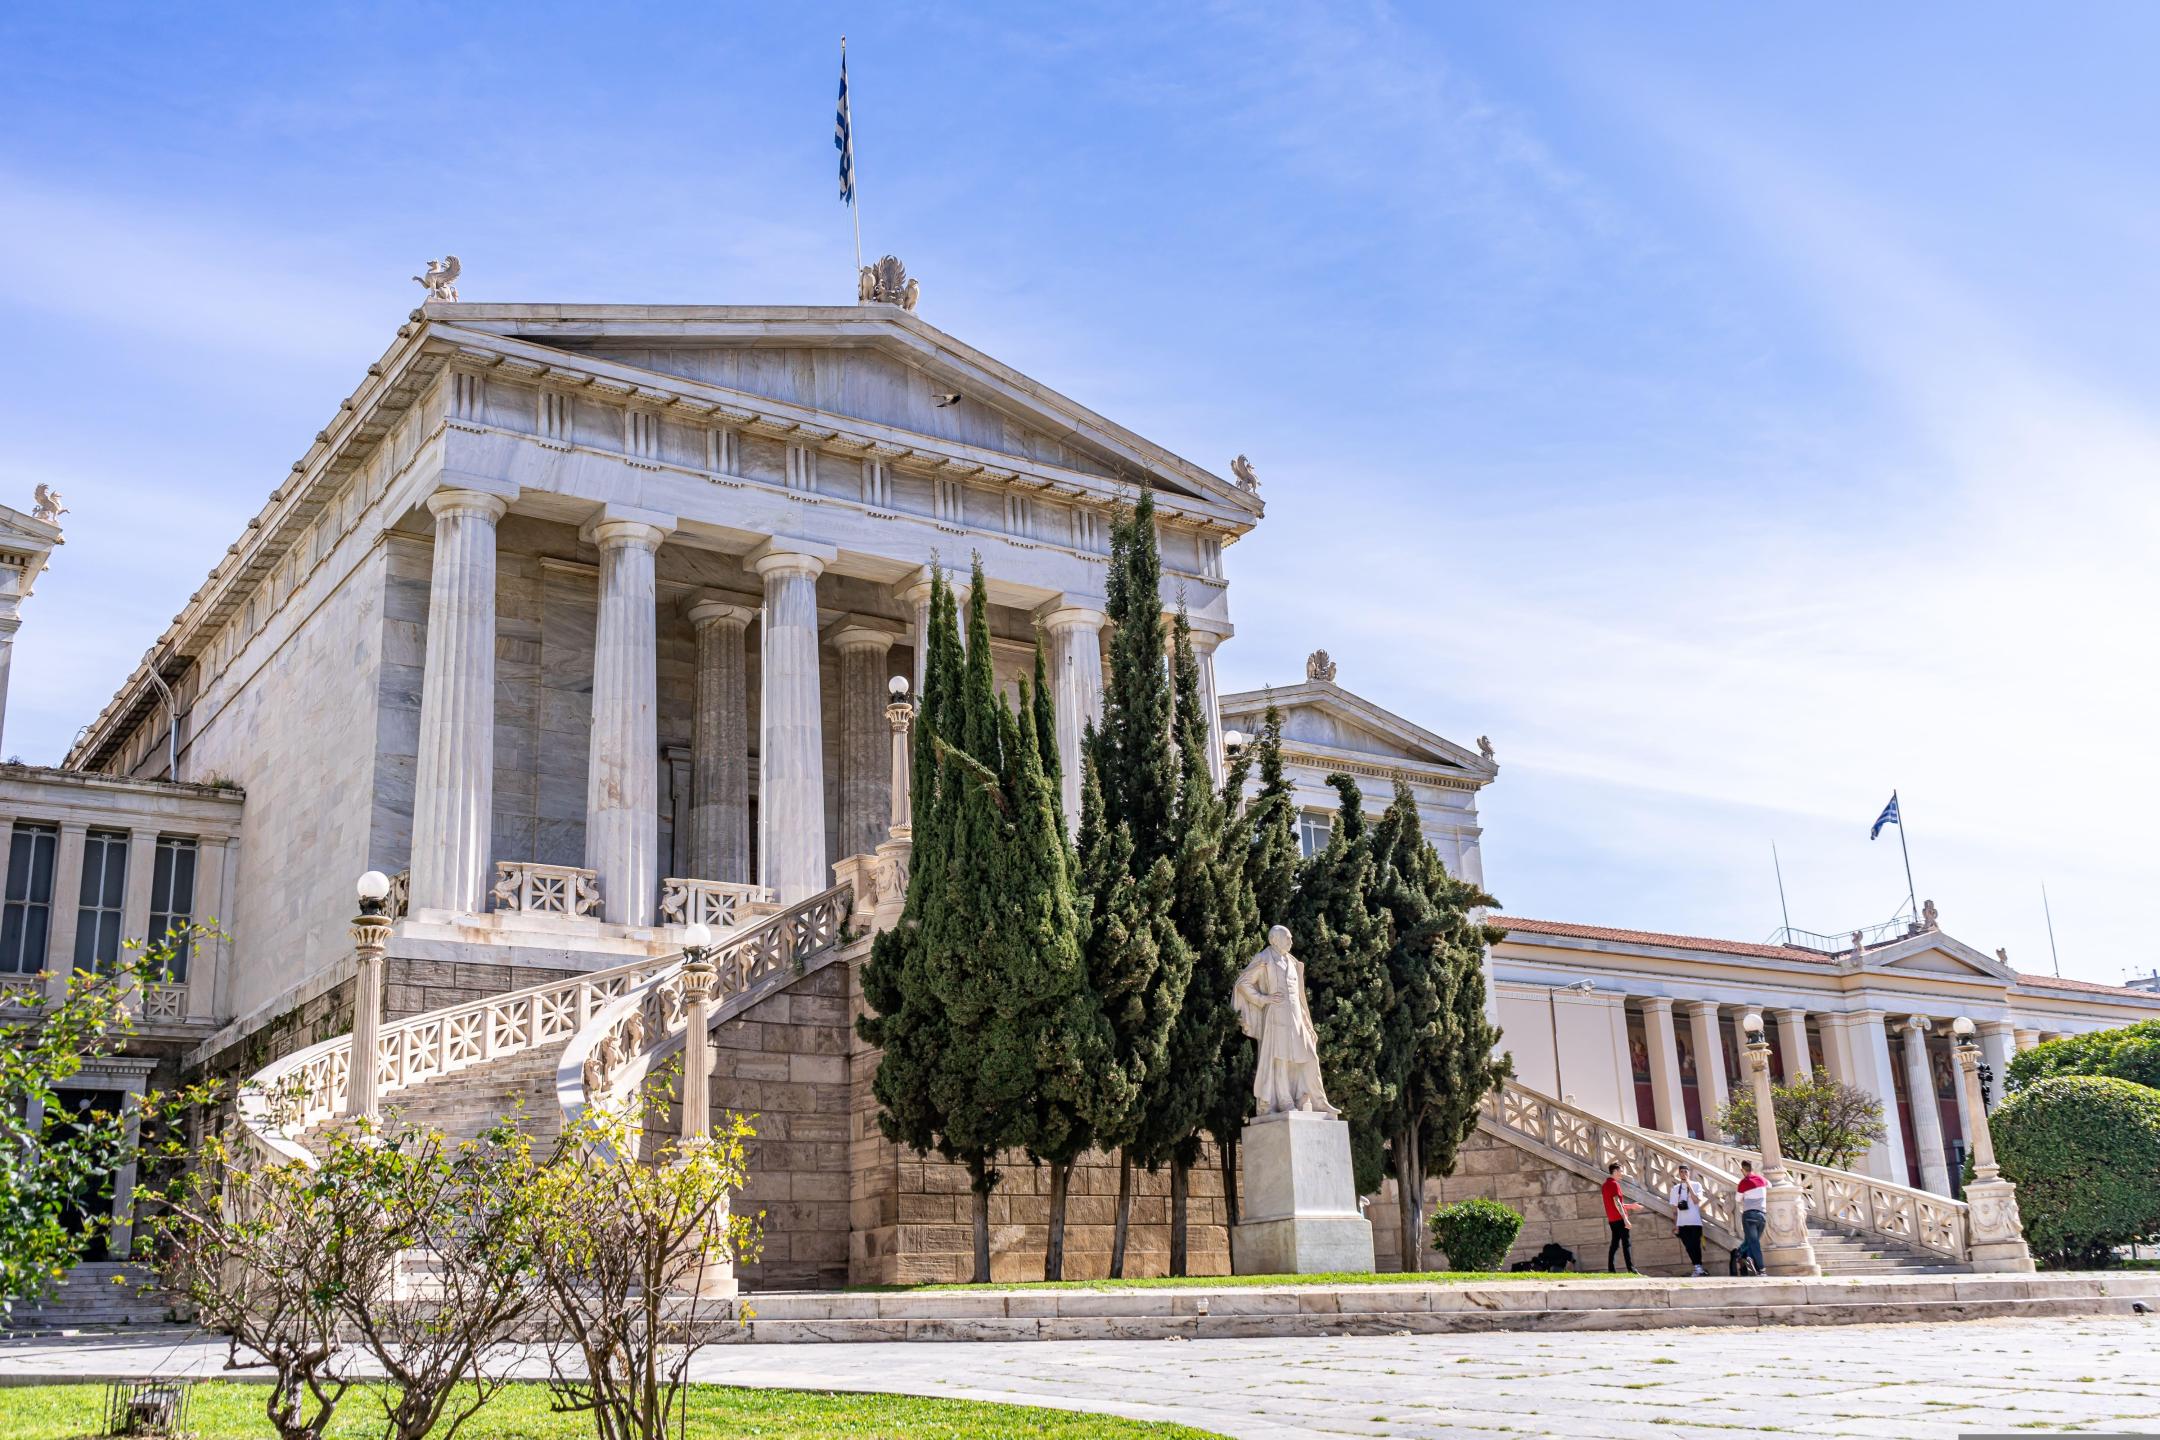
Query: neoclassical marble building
(584, 622)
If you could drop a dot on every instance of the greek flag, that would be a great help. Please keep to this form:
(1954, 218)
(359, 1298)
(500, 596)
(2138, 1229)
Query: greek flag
(843, 138)
(1889, 816)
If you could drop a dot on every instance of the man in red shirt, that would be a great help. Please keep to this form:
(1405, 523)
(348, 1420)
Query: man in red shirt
(1754, 1193)
(1616, 1219)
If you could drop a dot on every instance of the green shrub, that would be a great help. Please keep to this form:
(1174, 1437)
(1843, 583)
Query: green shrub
(1475, 1234)
(2131, 1053)
(2084, 1151)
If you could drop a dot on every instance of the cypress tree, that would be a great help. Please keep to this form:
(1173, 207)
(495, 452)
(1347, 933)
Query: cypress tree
(984, 1012)
(1137, 961)
(1271, 866)
(1212, 908)
(1439, 1051)
(1343, 940)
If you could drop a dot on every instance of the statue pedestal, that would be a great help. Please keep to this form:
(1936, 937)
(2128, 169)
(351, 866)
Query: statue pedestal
(1299, 1204)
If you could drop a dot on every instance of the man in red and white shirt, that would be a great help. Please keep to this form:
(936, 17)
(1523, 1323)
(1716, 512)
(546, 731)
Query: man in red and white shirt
(1616, 1219)
(1754, 1192)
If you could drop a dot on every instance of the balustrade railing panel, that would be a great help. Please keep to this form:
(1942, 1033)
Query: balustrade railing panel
(721, 904)
(1650, 1162)
(527, 888)
(1862, 1204)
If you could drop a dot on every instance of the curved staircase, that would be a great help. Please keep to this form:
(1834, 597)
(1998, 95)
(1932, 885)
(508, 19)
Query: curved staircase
(461, 1068)
(1857, 1224)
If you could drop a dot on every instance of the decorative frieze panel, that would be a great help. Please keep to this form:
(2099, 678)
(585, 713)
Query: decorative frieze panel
(1086, 529)
(166, 1004)
(468, 395)
(1019, 514)
(718, 903)
(801, 468)
(947, 501)
(720, 450)
(641, 434)
(553, 423)
(525, 888)
(876, 484)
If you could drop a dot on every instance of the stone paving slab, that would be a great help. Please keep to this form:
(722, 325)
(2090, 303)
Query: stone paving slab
(1928, 1382)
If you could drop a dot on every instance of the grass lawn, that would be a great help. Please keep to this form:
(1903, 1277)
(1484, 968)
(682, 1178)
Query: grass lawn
(1166, 1282)
(233, 1411)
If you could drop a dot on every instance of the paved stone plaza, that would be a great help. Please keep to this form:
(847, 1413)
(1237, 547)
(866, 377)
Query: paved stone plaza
(1877, 1381)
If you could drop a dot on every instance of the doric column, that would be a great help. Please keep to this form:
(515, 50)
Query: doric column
(865, 738)
(1869, 1042)
(454, 786)
(1998, 1042)
(1709, 1062)
(720, 743)
(1664, 1065)
(1792, 1039)
(622, 791)
(1203, 645)
(914, 592)
(791, 754)
(1926, 1116)
(1073, 630)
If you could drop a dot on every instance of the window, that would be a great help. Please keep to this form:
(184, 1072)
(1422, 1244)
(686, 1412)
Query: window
(104, 892)
(26, 923)
(172, 900)
(1313, 829)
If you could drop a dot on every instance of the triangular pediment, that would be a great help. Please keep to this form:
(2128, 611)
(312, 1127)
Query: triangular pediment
(26, 542)
(874, 364)
(1931, 952)
(1322, 718)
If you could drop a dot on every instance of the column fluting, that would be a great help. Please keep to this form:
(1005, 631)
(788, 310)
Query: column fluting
(865, 739)
(454, 781)
(1074, 633)
(791, 752)
(1926, 1112)
(720, 744)
(622, 793)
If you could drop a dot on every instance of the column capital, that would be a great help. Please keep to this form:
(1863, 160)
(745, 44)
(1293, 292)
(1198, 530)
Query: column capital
(853, 634)
(718, 607)
(1661, 1003)
(787, 555)
(1074, 612)
(915, 589)
(617, 526)
(1997, 1027)
(1701, 1007)
(460, 501)
(1916, 1025)
(1793, 1012)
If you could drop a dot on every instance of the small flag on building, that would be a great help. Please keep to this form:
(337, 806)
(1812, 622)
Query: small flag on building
(1889, 816)
(843, 137)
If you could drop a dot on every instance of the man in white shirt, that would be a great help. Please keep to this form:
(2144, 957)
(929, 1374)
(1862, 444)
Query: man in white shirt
(1687, 1201)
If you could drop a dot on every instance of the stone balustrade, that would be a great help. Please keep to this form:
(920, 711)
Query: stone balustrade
(525, 887)
(1859, 1204)
(398, 902)
(164, 1003)
(21, 991)
(610, 1057)
(721, 904)
(1651, 1162)
(292, 1095)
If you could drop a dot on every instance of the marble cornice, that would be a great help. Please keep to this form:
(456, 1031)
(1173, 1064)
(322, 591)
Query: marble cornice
(1409, 771)
(784, 420)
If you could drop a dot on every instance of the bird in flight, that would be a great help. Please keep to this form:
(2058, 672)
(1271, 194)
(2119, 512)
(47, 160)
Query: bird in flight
(946, 401)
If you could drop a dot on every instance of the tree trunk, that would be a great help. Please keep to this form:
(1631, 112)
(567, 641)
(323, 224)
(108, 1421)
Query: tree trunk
(1054, 1253)
(1229, 1181)
(1180, 1187)
(1124, 1213)
(1410, 1192)
(979, 1183)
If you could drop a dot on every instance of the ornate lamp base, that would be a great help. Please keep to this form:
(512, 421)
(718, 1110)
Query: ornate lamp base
(1998, 1231)
(1786, 1247)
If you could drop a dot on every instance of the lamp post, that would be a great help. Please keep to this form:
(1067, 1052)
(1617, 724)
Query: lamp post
(1787, 1250)
(370, 934)
(1995, 1230)
(698, 978)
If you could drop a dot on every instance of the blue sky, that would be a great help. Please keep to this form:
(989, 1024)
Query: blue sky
(1735, 412)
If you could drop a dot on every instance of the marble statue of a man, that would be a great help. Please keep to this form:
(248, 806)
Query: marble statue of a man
(1270, 1000)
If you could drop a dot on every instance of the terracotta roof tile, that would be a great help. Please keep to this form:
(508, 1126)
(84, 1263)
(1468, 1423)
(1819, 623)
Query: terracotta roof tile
(2087, 987)
(1519, 925)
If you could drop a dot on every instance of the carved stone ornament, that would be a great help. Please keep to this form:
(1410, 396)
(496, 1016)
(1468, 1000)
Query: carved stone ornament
(1319, 667)
(1246, 479)
(1927, 916)
(887, 283)
(440, 282)
(1484, 745)
(46, 506)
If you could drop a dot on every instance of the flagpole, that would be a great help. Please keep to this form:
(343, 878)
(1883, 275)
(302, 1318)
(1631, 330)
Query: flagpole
(854, 169)
(1912, 897)
(2049, 911)
(1780, 869)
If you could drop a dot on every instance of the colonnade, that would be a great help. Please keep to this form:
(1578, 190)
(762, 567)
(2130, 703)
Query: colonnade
(452, 839)
(1868, 1049)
